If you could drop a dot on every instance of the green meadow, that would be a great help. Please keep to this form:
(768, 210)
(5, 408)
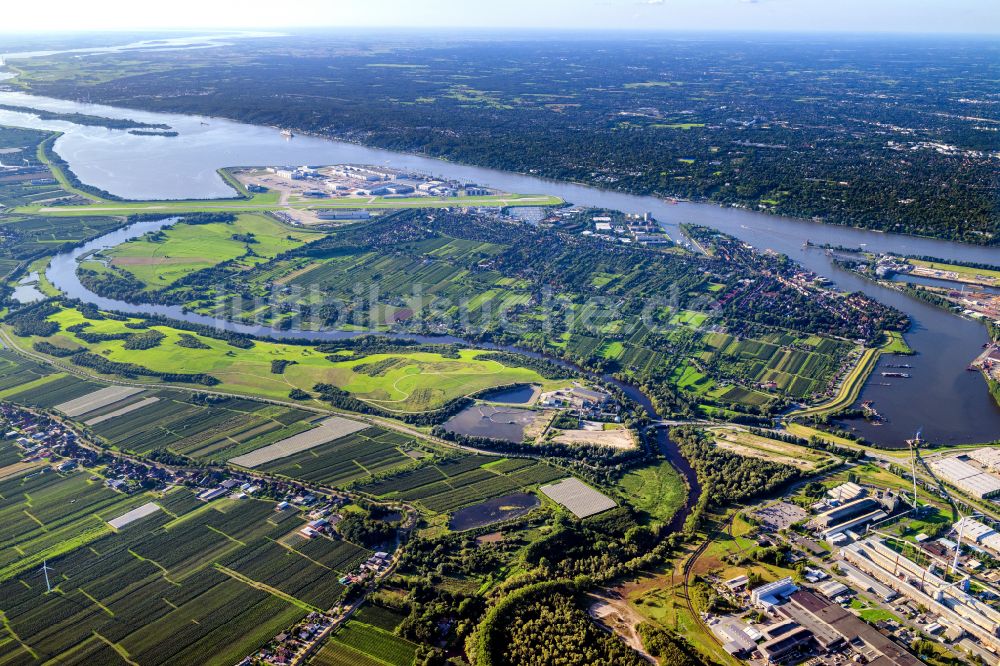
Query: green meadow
(160, 259)
(402, 382)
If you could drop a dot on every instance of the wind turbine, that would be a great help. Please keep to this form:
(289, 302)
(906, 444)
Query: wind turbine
(961, 532)
(914, 444)
(45, 570)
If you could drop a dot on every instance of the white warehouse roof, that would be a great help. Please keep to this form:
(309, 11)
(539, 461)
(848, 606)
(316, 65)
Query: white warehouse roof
(967, 478)
(954, 469)
(973, 530)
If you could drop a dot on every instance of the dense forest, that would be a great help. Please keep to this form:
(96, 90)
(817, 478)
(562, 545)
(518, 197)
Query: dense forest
(726, 477)
(849, 133)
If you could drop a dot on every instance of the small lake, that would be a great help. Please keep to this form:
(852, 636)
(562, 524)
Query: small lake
(514, 395)
(503, 423)
(493, 511)
(27, 290)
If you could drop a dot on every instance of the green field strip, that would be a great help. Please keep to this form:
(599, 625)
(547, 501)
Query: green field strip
(235, 575)
(10, 632)
(96, 602)
(35, 559)
(122, 652)
(41, 381)
(221, 533)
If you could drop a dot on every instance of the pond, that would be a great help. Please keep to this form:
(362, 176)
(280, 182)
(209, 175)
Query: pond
(503, 423)
(512, 395)
(493, 511)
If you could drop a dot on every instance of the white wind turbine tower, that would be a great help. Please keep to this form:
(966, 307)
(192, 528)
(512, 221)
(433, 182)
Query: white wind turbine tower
(961, 532)
(45, 570)
(914, 444)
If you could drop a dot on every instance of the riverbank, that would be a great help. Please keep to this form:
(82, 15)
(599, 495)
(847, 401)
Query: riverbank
(850, 388)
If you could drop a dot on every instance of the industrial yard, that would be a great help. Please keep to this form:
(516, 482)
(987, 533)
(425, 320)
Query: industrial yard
(298, 186)
(850, 570)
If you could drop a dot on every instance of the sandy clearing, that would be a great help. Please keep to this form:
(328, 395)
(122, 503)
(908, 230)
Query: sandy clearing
(615, 439)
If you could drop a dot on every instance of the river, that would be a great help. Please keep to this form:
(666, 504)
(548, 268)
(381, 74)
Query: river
(949, 404)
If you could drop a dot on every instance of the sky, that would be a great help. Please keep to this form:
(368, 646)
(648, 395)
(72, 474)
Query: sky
(899, 16)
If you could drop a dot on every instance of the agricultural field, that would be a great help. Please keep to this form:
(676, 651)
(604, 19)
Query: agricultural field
(347, 458)
(189, 584)
(160, 258)
(360, 644)
(462, 274)
(24, 238)
(215, 430)
(52, 390)
(849, 389)
(18, 374)
(326, 431)
(409, 381)
(462, 480)
(45, 513)
(796, 366)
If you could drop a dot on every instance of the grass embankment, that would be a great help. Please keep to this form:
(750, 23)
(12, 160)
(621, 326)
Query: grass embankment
(894, 343)
(401, 382)
(850, 389)
(57, 171)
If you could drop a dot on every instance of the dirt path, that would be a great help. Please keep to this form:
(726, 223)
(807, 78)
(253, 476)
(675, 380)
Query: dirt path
(612, 612)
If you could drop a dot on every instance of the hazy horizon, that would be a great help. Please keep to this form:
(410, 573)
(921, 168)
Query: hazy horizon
(957, 17)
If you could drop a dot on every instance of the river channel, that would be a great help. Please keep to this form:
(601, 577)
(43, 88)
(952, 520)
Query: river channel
(948, 403)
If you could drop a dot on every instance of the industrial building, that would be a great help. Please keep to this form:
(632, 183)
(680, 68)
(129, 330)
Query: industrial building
(833, 627)
(984, 536)
(832, 589)
(782, 646)
(343, 214)
(849, 516)
(867, 583)
(949, 601)
(768, 595)
(846, 492)
(967, 478)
